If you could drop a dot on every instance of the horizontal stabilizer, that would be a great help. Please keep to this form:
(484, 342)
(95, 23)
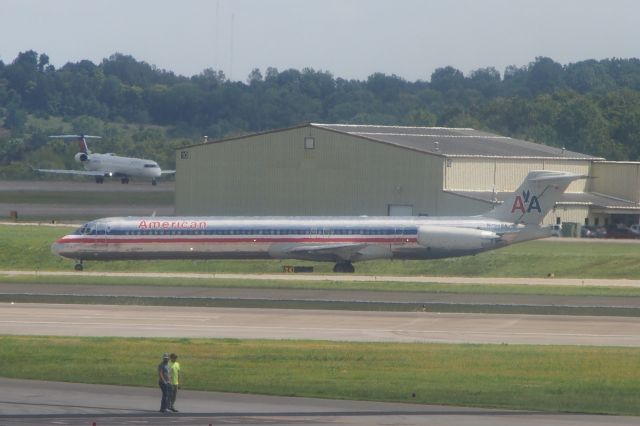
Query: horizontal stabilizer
(74, 137)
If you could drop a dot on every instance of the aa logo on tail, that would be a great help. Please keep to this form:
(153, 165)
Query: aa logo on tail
(524, 204)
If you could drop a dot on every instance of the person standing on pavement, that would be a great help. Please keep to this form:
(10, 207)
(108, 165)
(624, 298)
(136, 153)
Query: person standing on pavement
(174, 366)
(164, 381)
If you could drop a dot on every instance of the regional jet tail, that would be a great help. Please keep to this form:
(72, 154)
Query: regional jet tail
(342, 240)
(109, 165)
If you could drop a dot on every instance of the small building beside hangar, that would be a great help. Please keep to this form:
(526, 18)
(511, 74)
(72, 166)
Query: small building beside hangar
(342, 169)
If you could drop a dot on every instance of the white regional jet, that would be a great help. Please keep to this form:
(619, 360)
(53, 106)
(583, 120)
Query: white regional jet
(109, 165)
(342, 240)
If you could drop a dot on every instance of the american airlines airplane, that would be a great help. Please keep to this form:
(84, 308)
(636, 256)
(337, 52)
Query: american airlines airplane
(342, 240)
(109, 165)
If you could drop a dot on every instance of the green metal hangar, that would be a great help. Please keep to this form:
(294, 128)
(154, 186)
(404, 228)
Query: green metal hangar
(340, 169)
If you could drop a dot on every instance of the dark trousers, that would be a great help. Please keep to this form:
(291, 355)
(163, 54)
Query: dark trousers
(174, 394)
(165, 402)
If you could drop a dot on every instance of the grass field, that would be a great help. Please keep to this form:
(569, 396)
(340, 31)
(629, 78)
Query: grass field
(546, 378)
(28, 248)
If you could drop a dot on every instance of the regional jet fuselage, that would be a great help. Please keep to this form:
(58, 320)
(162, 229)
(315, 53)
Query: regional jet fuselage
(342, 240)
(101, 166)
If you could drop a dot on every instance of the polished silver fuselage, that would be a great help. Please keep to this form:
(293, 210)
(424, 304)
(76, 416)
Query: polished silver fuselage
(311, 238)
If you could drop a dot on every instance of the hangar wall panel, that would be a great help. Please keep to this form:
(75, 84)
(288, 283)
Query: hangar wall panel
(468, 174)
(504, 174)
(621, 180)
(273, 174)
(456, 205)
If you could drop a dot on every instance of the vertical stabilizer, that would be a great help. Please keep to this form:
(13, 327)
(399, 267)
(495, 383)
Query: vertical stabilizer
(536, 196)
(82, 142)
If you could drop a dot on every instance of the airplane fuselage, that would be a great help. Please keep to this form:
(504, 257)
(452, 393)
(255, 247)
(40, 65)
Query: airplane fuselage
(335, 239)
(115, 165)
(324, 238)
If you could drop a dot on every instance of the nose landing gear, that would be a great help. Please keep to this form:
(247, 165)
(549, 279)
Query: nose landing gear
(78, 266)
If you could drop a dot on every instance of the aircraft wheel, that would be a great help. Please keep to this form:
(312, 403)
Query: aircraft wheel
(124, 181)
(344, 267)
(99, 179)
(78, 267)
(154, 183)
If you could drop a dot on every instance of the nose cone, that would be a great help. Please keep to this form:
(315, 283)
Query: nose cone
(61, 248)
(56, 248)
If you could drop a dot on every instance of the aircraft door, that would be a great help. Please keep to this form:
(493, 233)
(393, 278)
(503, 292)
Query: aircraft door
(100, 231)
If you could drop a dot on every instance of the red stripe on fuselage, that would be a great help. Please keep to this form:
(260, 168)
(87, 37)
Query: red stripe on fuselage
(93, 240)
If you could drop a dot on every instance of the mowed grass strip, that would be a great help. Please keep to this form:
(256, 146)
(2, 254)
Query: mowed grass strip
(545, 378)
(28, 248)
(543, 290)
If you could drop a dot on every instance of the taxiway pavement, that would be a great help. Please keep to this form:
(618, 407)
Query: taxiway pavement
(411, 298)
(29, 402)
(191, 322)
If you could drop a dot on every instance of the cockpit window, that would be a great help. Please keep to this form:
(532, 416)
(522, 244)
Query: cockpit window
(151, 166)
(83, 230)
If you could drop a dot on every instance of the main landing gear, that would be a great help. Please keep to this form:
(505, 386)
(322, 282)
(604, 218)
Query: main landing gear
(78, 266)
(124, 180)
(99, 179)
(345, 266)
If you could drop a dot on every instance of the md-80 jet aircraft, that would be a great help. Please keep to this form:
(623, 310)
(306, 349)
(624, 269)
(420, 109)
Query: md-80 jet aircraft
(342, 240)
(109, 165)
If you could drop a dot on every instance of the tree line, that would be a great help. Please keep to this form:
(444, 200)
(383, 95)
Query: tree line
(589, 106)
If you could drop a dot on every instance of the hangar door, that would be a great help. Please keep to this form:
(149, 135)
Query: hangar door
(400, 210)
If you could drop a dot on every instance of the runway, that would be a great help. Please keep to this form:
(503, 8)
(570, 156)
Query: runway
(50, 210)
(28, 402)
(86, 184)
(150, 321)
(331, 299)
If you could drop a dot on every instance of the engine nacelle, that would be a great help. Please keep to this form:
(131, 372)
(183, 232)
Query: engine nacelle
(81, 157)
(452, 238)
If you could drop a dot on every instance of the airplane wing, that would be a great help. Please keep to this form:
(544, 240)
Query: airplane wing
(338, 251)
(72, 172)
(167, 172)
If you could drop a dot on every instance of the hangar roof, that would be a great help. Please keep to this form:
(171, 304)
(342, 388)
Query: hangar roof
(454, 142)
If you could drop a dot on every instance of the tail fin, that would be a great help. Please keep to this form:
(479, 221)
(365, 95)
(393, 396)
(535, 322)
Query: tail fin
(536, 196)
(82, 142)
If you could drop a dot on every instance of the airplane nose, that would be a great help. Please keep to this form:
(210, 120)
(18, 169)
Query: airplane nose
(55, 248)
